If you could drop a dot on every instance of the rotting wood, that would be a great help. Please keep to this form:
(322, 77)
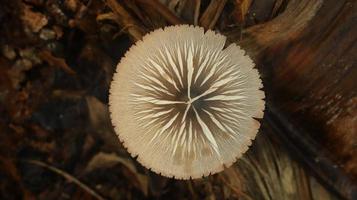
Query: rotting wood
(164, 11)
(197, 12)
(126, 20)
(307, 58)
(307, 65)
(209, 18)
(308, 152)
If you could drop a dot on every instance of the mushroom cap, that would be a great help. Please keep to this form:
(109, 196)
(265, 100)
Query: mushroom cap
(184, 104)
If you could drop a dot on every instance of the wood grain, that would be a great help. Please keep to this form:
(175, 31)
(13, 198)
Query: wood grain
(307, 55)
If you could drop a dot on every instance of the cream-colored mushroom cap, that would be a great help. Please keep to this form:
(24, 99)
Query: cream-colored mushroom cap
(184, 103)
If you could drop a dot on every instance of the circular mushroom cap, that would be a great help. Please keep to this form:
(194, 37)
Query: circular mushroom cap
(185, 104)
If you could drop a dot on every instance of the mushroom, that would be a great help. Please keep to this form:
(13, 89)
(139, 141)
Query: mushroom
(185, 104)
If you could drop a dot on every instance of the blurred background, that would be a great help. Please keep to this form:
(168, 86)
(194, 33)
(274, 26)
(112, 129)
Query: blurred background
(57, 58)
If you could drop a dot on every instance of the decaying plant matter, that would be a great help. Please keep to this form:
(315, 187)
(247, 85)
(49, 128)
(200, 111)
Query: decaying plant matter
(57, 59)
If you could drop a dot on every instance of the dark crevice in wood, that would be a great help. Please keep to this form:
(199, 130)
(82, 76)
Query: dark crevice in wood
(164, 11)
(308, 152)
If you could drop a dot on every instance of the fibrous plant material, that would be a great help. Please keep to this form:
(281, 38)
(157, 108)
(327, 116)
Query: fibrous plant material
(185, 104)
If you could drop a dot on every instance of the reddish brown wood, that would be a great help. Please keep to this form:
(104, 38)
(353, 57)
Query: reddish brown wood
(307, 55)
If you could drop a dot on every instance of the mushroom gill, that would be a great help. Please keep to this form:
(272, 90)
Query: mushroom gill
(185, 104)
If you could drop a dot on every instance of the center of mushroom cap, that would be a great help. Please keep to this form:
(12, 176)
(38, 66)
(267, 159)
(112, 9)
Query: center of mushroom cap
(189, 97)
